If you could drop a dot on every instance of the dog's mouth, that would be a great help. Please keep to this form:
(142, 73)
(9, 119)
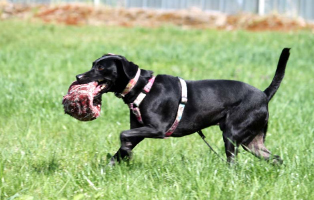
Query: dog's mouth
(102, 87)
(99, 90)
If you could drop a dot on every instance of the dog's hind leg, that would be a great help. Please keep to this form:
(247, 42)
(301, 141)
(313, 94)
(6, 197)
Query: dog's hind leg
(239, 126)
(231, 147)
(257, 148)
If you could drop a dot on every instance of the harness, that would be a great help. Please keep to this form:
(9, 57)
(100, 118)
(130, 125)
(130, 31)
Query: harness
(134, 107)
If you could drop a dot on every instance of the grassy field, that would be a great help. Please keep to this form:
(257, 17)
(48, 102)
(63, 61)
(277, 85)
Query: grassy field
(46, 154)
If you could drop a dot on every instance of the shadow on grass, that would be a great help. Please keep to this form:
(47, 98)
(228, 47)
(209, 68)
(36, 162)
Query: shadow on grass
(46, 167)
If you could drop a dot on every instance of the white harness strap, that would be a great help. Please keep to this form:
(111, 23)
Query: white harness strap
(184, 100)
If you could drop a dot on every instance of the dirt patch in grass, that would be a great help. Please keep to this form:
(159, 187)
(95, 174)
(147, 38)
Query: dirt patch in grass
(85, 14)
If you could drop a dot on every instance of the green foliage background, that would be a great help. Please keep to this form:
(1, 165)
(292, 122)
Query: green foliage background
(48, 155)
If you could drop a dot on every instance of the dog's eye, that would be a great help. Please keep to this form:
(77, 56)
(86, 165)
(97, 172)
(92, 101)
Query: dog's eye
(100, 67)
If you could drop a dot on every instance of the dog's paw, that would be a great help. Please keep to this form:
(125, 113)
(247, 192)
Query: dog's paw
(276, 160)
(112, 162)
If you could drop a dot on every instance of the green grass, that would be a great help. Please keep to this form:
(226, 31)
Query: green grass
(46, 154)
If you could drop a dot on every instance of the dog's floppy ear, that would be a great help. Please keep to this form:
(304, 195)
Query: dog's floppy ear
(129, 68)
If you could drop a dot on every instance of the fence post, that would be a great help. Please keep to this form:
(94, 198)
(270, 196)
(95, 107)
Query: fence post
(261, 7)
(222, 5)
(96, 2)
(144, 5)
(162, 4)
(203, 5)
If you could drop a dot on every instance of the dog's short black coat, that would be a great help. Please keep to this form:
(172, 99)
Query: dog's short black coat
(240, 110)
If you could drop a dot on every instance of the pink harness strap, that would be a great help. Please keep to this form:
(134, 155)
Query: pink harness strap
(135, 105)
(130, 85)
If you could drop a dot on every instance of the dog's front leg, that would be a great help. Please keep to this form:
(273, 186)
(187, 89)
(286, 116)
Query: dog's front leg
(122, 153)
(130, 138)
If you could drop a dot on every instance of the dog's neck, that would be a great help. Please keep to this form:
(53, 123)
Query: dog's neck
(131, 83)
(138, 85)
(138, 88)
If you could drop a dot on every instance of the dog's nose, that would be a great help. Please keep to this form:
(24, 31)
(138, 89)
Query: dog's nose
(79, 77)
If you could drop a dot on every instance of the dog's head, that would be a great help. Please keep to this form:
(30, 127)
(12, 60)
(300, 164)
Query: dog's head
(112, 72)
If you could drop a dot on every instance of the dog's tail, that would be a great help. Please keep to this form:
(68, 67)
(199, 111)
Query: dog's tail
(280, 73)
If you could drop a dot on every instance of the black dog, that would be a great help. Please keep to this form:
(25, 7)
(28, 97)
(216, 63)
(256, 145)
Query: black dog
(240, 110)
